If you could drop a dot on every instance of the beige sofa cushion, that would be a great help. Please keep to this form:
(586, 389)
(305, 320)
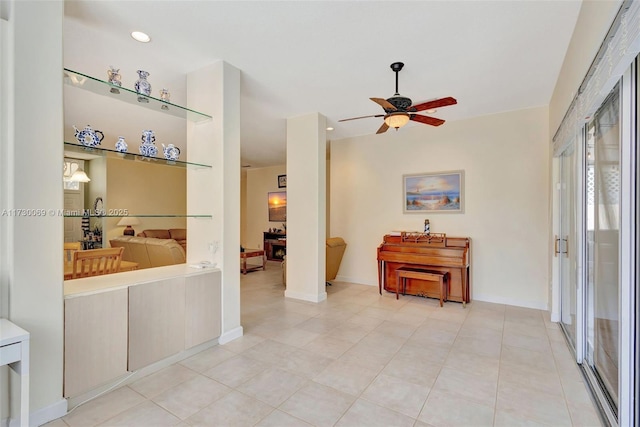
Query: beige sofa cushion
(158, 234)
(177, 234)
(150, 252)
(165, 252)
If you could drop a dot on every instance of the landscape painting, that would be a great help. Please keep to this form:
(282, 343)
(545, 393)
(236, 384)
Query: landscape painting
(434, 192)
(278, 206)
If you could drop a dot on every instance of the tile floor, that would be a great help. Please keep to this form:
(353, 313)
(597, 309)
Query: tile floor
(361, 359)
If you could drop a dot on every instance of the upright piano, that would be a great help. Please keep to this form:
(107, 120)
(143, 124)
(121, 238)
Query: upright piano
(435, 252)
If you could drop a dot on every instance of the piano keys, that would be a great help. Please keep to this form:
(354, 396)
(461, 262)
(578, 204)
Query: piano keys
(434, 252)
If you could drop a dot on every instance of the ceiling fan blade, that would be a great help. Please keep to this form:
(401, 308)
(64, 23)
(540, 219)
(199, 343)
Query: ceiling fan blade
(361, 117)
(442, 102)
(384, 104)
(383, 128)
(426, 120)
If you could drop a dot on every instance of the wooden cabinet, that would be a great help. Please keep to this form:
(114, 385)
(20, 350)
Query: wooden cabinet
(110, 331)
(156, 321)
(95, 340)
(202, 323)
(275, 246)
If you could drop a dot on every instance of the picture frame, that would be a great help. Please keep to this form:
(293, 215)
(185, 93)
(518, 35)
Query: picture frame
(277, 203)
(282, 181)
(434, 192)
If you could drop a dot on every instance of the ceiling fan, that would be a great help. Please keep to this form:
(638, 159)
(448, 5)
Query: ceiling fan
(398, 109)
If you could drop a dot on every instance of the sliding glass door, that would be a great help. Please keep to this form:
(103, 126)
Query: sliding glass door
(602, 247)
(565, 244)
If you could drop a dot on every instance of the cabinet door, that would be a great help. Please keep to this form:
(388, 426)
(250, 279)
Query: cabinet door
(203, 311)
(95, 334)
(156, 321)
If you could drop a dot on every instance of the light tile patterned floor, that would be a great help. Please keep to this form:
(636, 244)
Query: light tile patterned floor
(361, 359)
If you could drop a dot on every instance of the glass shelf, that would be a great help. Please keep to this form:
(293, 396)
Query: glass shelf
(70, 147)
(72, 214)
(101, 87)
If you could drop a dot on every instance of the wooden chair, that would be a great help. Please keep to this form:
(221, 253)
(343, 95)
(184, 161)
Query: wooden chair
(96, 262)
(69, 249)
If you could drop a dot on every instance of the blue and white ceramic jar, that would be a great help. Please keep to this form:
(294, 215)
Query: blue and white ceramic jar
(121, 145)
(148, 147)
(142, 86)
(171, 152)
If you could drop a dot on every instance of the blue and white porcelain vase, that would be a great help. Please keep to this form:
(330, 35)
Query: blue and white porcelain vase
(148, 147)
(121, 145)
(142, 86)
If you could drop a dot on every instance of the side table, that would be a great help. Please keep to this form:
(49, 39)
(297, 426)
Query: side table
(250, 253)
(14, 351)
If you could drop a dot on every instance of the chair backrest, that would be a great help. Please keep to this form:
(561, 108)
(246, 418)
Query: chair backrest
(69, 249)
(96, 262)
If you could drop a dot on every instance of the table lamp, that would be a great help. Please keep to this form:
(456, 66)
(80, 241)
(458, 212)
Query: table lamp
(128, 221)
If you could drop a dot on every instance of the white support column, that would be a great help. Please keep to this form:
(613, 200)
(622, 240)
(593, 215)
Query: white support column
(31, 274)
(306, 213)
(215, 90)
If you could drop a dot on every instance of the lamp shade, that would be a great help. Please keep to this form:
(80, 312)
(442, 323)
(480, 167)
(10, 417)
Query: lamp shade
(128, 221)
(79, 176)
(396, 120)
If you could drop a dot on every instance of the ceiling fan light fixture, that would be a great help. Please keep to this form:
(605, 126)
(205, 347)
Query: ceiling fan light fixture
(396, 120)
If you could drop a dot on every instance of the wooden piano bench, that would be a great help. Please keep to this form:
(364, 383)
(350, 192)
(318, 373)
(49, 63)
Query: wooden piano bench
(404, 273)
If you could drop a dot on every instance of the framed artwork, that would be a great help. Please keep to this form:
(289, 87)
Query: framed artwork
(440, 192)
(278, 206)
(282, 181)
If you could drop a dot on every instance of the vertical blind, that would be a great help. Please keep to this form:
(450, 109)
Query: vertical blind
(617, 52)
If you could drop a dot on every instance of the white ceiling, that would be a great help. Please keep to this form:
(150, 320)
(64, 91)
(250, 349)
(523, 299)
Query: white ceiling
(329, 56)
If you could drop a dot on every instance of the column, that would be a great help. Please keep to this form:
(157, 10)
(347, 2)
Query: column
(306, 201)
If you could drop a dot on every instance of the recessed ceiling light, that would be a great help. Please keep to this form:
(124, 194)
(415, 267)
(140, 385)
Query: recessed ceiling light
(329, 128)
(433, 110)
(141, 37)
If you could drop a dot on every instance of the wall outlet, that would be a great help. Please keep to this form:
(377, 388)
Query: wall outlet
(213, 247)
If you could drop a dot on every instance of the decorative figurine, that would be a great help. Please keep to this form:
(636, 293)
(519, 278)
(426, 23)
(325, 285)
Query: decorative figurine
(164, 96)
(114, 78)
(88, 137)
(427, 227)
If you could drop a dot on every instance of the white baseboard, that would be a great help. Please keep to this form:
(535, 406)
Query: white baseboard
(231, 335)
(305, 297)
(538, 305)
(356, 280)
(555, 317)
(41, 416)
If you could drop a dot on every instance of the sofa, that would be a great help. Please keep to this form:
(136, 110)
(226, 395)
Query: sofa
(335, 247)
(149, 251)
(177, 234)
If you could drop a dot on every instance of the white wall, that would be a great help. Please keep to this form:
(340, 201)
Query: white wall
(505, 159)
(260, 181)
